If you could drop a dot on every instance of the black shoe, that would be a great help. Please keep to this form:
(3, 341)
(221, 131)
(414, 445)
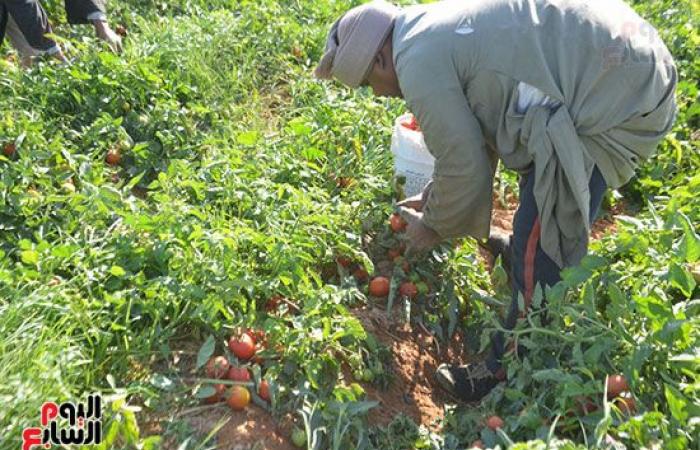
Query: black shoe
(499, 245)
(469, 383)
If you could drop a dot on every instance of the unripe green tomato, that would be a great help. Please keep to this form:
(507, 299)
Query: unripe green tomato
(125, 144)
(298, 437)
(357, 390)
(423, 288)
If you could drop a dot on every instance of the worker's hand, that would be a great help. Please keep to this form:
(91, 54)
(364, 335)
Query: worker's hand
(417, 201)
(104, 32)
(27, 61)
(61, 57)
(419, 237)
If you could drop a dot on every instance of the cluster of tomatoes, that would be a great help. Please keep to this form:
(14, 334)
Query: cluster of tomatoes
(380, 286)
(244, 347)
(618, 392)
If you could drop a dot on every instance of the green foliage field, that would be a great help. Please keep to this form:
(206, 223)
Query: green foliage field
(227, 195)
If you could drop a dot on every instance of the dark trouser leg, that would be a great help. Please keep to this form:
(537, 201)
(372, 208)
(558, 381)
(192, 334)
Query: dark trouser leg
(530, 265)
(79, 11)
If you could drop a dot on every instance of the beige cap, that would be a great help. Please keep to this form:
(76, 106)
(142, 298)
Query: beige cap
(354, 41)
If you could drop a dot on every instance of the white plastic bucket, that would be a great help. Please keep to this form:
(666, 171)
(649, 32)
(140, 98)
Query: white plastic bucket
(412, 159)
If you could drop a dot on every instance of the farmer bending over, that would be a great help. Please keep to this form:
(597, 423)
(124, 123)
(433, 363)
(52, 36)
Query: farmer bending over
(572, 94)
(26, 24)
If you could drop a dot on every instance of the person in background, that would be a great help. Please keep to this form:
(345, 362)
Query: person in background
(26, 25)
(572, 94)
(93, 12)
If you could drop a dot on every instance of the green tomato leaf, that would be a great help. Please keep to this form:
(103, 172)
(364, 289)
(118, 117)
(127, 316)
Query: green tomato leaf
(681, 279)
(117, 271)
(205, 392)
(248, 138)
(162, 382)
(677, 403)
(30, 257)
(205, 351)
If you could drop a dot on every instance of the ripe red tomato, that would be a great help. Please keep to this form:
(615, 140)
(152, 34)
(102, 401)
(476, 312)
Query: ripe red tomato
(626, 405)
(113, 157)
(408, 289)
(243, 346)
(393, 253)
(238, 374)
(617, 384)
(273, 303)
(494, 422)
(344, 182)
(238, 398)
(411, 124)
(403, 262)
(9, 149)
(397, 223)
(586, 405)
(360, 274)
(121, 30)
(264, 390)
(379, 286)
(217, 367)
(217, 396)
(344, 261)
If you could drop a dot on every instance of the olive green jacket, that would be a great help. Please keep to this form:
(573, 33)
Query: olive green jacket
(459, 64)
